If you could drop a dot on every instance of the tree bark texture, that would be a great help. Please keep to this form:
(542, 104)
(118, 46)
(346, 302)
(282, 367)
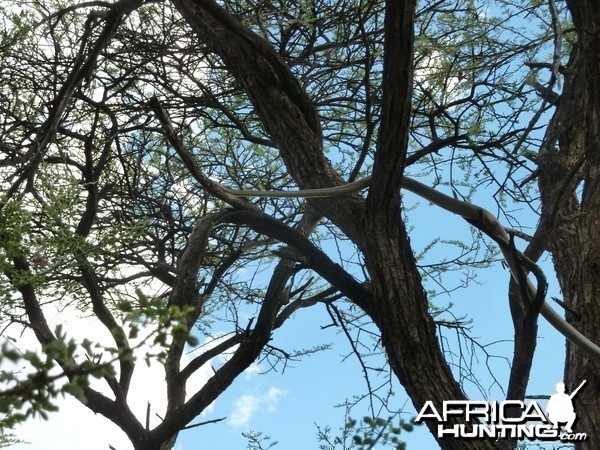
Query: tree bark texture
(570, 189)
(398, 304)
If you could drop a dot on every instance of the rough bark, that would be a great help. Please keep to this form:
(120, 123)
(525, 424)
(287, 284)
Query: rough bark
(399, 305)
(570, 160)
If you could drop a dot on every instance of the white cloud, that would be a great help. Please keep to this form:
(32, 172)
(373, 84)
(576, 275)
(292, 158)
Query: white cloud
(272, 398)
(244, 408)
(252, 370)
(247, 405)
(75, 427)
(430, 71)
(72, 428)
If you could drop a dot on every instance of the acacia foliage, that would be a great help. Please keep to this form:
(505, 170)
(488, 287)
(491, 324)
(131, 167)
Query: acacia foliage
(120, 119)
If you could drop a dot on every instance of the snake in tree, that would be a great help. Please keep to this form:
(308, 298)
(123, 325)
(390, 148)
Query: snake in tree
(475, 215)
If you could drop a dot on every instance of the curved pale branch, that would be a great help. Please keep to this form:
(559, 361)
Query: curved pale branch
(477, 216)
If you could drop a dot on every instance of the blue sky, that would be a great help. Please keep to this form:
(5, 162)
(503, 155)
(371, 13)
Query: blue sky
(288, 406)
(310, 388)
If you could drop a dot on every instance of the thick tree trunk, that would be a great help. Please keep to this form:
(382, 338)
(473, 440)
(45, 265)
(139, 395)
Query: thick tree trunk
(574, 225)
(399, 305)
(407, 329)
